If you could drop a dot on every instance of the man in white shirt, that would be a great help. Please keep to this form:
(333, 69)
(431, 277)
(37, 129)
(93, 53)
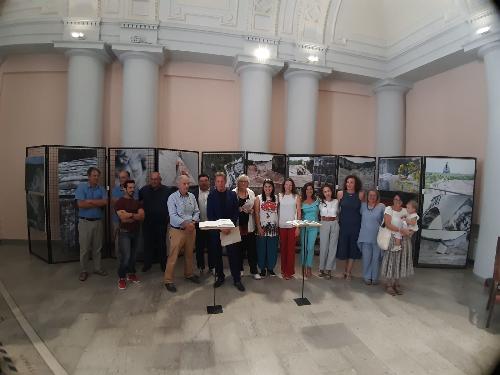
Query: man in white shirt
(202, 236)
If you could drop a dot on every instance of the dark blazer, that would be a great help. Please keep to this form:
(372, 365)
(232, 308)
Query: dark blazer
(214, 208)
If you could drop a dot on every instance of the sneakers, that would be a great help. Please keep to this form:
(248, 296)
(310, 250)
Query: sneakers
(83, 276)
(256, 276)
(263, 273)
(101, 272)
(171, 287)
(238, 285)
(321, 273)
(122, 284)
(132, 277)
(271, 273)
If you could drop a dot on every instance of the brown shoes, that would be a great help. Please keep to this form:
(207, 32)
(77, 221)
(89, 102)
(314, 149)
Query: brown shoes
(83, 276)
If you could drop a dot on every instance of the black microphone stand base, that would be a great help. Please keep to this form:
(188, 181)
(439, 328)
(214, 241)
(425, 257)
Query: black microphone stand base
(302, 301)
(214, 309)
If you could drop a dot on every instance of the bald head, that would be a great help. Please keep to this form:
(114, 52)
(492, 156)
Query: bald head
(155, 180)
(183, 184)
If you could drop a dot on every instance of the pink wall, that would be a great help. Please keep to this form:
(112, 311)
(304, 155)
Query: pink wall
(346, 119)
(32, 112)
(446, 115)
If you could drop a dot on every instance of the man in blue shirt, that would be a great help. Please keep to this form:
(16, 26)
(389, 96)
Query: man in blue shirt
(91, 200)
(184, 214)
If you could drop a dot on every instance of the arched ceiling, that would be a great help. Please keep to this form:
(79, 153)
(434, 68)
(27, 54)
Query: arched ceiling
(367, 37)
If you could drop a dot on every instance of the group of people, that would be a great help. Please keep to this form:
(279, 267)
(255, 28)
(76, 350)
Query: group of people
(350, 222)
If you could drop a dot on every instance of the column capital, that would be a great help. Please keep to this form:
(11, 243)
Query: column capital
(487, 48)
(294, 69)
(126, 51)
(244, 62)
(99, 50)
(392, 85)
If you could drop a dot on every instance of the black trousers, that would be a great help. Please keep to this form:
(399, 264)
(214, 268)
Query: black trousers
(249, 250)
(155, 243)
(233, 253)
(202, 243)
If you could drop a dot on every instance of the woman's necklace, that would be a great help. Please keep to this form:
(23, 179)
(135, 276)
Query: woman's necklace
(370, 209)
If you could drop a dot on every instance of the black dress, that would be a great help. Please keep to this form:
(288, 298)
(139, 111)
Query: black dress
(350, 224)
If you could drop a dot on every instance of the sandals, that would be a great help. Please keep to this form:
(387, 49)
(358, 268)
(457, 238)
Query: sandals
(398, 291)
(347, 276)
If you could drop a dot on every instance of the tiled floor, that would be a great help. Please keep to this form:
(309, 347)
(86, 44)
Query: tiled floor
(93, 328)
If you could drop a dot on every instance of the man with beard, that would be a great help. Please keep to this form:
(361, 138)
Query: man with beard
(154, 198)
(130, 214)
(118, 192)
(91, 200)
(222, 203)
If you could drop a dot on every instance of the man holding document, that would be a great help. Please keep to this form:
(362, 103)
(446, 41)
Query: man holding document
(223, 204)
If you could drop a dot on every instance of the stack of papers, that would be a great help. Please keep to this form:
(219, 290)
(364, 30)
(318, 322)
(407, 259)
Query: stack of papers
(303, 223)
(217, 224)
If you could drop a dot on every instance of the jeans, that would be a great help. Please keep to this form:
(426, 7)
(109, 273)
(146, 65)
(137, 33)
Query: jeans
(202, 243)
(128, 243)
(267, 252)
(233, 253)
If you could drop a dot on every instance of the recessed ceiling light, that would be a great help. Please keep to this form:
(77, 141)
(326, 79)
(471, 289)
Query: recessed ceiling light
(483, 30)
(313, 58)
(262, 53)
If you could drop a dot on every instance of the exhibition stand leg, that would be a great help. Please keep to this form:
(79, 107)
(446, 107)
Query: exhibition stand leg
(303, 301)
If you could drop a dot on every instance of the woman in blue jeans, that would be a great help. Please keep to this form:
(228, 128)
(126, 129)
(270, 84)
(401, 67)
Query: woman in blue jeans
(372, 215)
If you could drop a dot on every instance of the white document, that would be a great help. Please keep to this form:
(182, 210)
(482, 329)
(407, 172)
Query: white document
(233, 237)
(304, 223)
(217, 224)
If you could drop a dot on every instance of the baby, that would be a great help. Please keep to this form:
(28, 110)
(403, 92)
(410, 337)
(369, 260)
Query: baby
(407, 222)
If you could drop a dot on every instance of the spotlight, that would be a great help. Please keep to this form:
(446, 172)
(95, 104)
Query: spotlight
(78, 35)
(262, 53)
(483, 30)
(313, 58)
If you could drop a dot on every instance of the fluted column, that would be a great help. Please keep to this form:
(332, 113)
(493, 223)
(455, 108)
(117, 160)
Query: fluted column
(256, 81)
(84, 111)
(490, 204)
(391, 117)
(140, 97)
(302, 107)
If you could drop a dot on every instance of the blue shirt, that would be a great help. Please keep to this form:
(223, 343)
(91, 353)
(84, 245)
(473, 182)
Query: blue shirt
(117, 193)
(182, 208)
(370, 222)
(83, 192)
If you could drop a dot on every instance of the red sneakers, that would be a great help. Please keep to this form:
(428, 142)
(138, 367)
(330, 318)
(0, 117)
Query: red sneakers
(122, 284)
(132, 277)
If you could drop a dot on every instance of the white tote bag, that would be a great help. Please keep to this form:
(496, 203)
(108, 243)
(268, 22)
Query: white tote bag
(383, 237)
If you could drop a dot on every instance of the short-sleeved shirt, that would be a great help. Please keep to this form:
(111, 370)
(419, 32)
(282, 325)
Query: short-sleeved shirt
(396, 216)
(131, 206)
(85, 192)
(117, 193)
(269, 216)
(371, 218)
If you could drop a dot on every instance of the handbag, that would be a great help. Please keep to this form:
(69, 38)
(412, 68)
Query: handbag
(383, 237)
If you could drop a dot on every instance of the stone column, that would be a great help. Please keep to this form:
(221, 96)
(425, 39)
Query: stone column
(391, 117)
(256, 81)
(302, 107)
(490, 203)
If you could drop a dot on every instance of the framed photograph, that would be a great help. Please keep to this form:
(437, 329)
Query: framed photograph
(173, 163)
(361, 166)
(73, 164)
(400, 174)
(35, 174)
(260, 166)
(232, 163)
(319, 169)
(35, 206)
(139, 162)
(448, 204)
